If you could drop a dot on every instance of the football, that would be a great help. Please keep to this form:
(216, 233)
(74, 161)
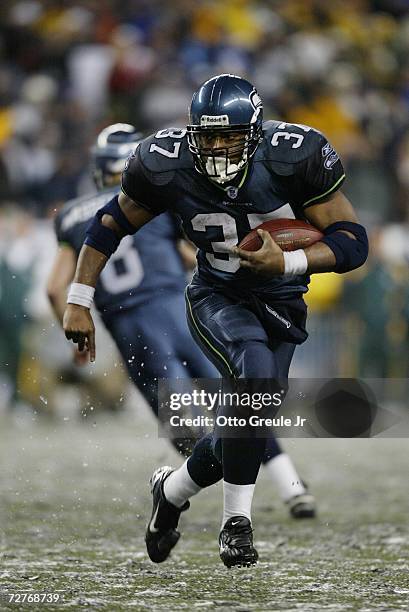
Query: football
(289, 234)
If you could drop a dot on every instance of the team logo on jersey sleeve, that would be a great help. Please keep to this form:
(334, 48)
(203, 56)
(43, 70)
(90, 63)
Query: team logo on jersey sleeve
(330, 156)
(326, 150)
(128, 161)
(330, 160)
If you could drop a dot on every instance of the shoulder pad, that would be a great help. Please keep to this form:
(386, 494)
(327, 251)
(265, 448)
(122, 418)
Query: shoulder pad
(288, 143)
(84, 208)
(166, 151)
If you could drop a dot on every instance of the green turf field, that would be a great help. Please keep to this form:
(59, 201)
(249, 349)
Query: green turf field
(75, 499)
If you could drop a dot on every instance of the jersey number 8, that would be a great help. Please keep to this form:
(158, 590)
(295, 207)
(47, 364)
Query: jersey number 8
(124, 270)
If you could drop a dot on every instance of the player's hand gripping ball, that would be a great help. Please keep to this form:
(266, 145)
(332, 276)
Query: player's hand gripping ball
(262, 249)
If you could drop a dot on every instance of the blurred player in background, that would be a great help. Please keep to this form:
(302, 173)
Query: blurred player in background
(140, 299)
(140, 293)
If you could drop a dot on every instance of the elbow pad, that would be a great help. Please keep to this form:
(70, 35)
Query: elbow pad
(103, 238)
(113, 209)
(349, 253)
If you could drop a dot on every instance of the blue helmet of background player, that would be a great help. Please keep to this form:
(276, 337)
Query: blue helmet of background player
(112, 148)
(226, 115)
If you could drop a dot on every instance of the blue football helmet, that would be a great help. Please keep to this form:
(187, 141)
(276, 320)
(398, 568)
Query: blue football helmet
(112, 148)
(228, 110)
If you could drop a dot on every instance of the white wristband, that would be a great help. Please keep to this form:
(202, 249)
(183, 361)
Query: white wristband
(80, 294)
(295, 262)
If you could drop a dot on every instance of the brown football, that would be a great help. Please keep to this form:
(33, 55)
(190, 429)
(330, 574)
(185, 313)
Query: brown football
(289, 234)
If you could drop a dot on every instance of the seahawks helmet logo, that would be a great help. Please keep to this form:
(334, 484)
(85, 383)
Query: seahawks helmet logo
(257, 104)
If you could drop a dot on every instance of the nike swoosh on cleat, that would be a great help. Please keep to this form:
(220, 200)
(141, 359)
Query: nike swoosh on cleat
(152, 527)
(234, 524)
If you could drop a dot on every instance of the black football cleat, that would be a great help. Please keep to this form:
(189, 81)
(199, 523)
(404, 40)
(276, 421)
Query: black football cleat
(161, 534)
(236, 543)
(302, 506)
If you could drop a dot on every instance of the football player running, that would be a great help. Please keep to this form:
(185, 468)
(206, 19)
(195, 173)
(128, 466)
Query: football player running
(140, 299)
(224, 175)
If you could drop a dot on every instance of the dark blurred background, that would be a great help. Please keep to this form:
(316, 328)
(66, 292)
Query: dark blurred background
(68, 68)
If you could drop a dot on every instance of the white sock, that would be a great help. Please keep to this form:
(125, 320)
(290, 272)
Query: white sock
(179, 486)
(284, 476)
(237, 500)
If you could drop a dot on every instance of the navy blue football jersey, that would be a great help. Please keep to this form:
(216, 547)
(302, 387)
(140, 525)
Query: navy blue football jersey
(294, 167)
(144, 264)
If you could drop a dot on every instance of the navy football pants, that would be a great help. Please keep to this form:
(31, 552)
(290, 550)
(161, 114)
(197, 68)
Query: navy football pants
(234, 339)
